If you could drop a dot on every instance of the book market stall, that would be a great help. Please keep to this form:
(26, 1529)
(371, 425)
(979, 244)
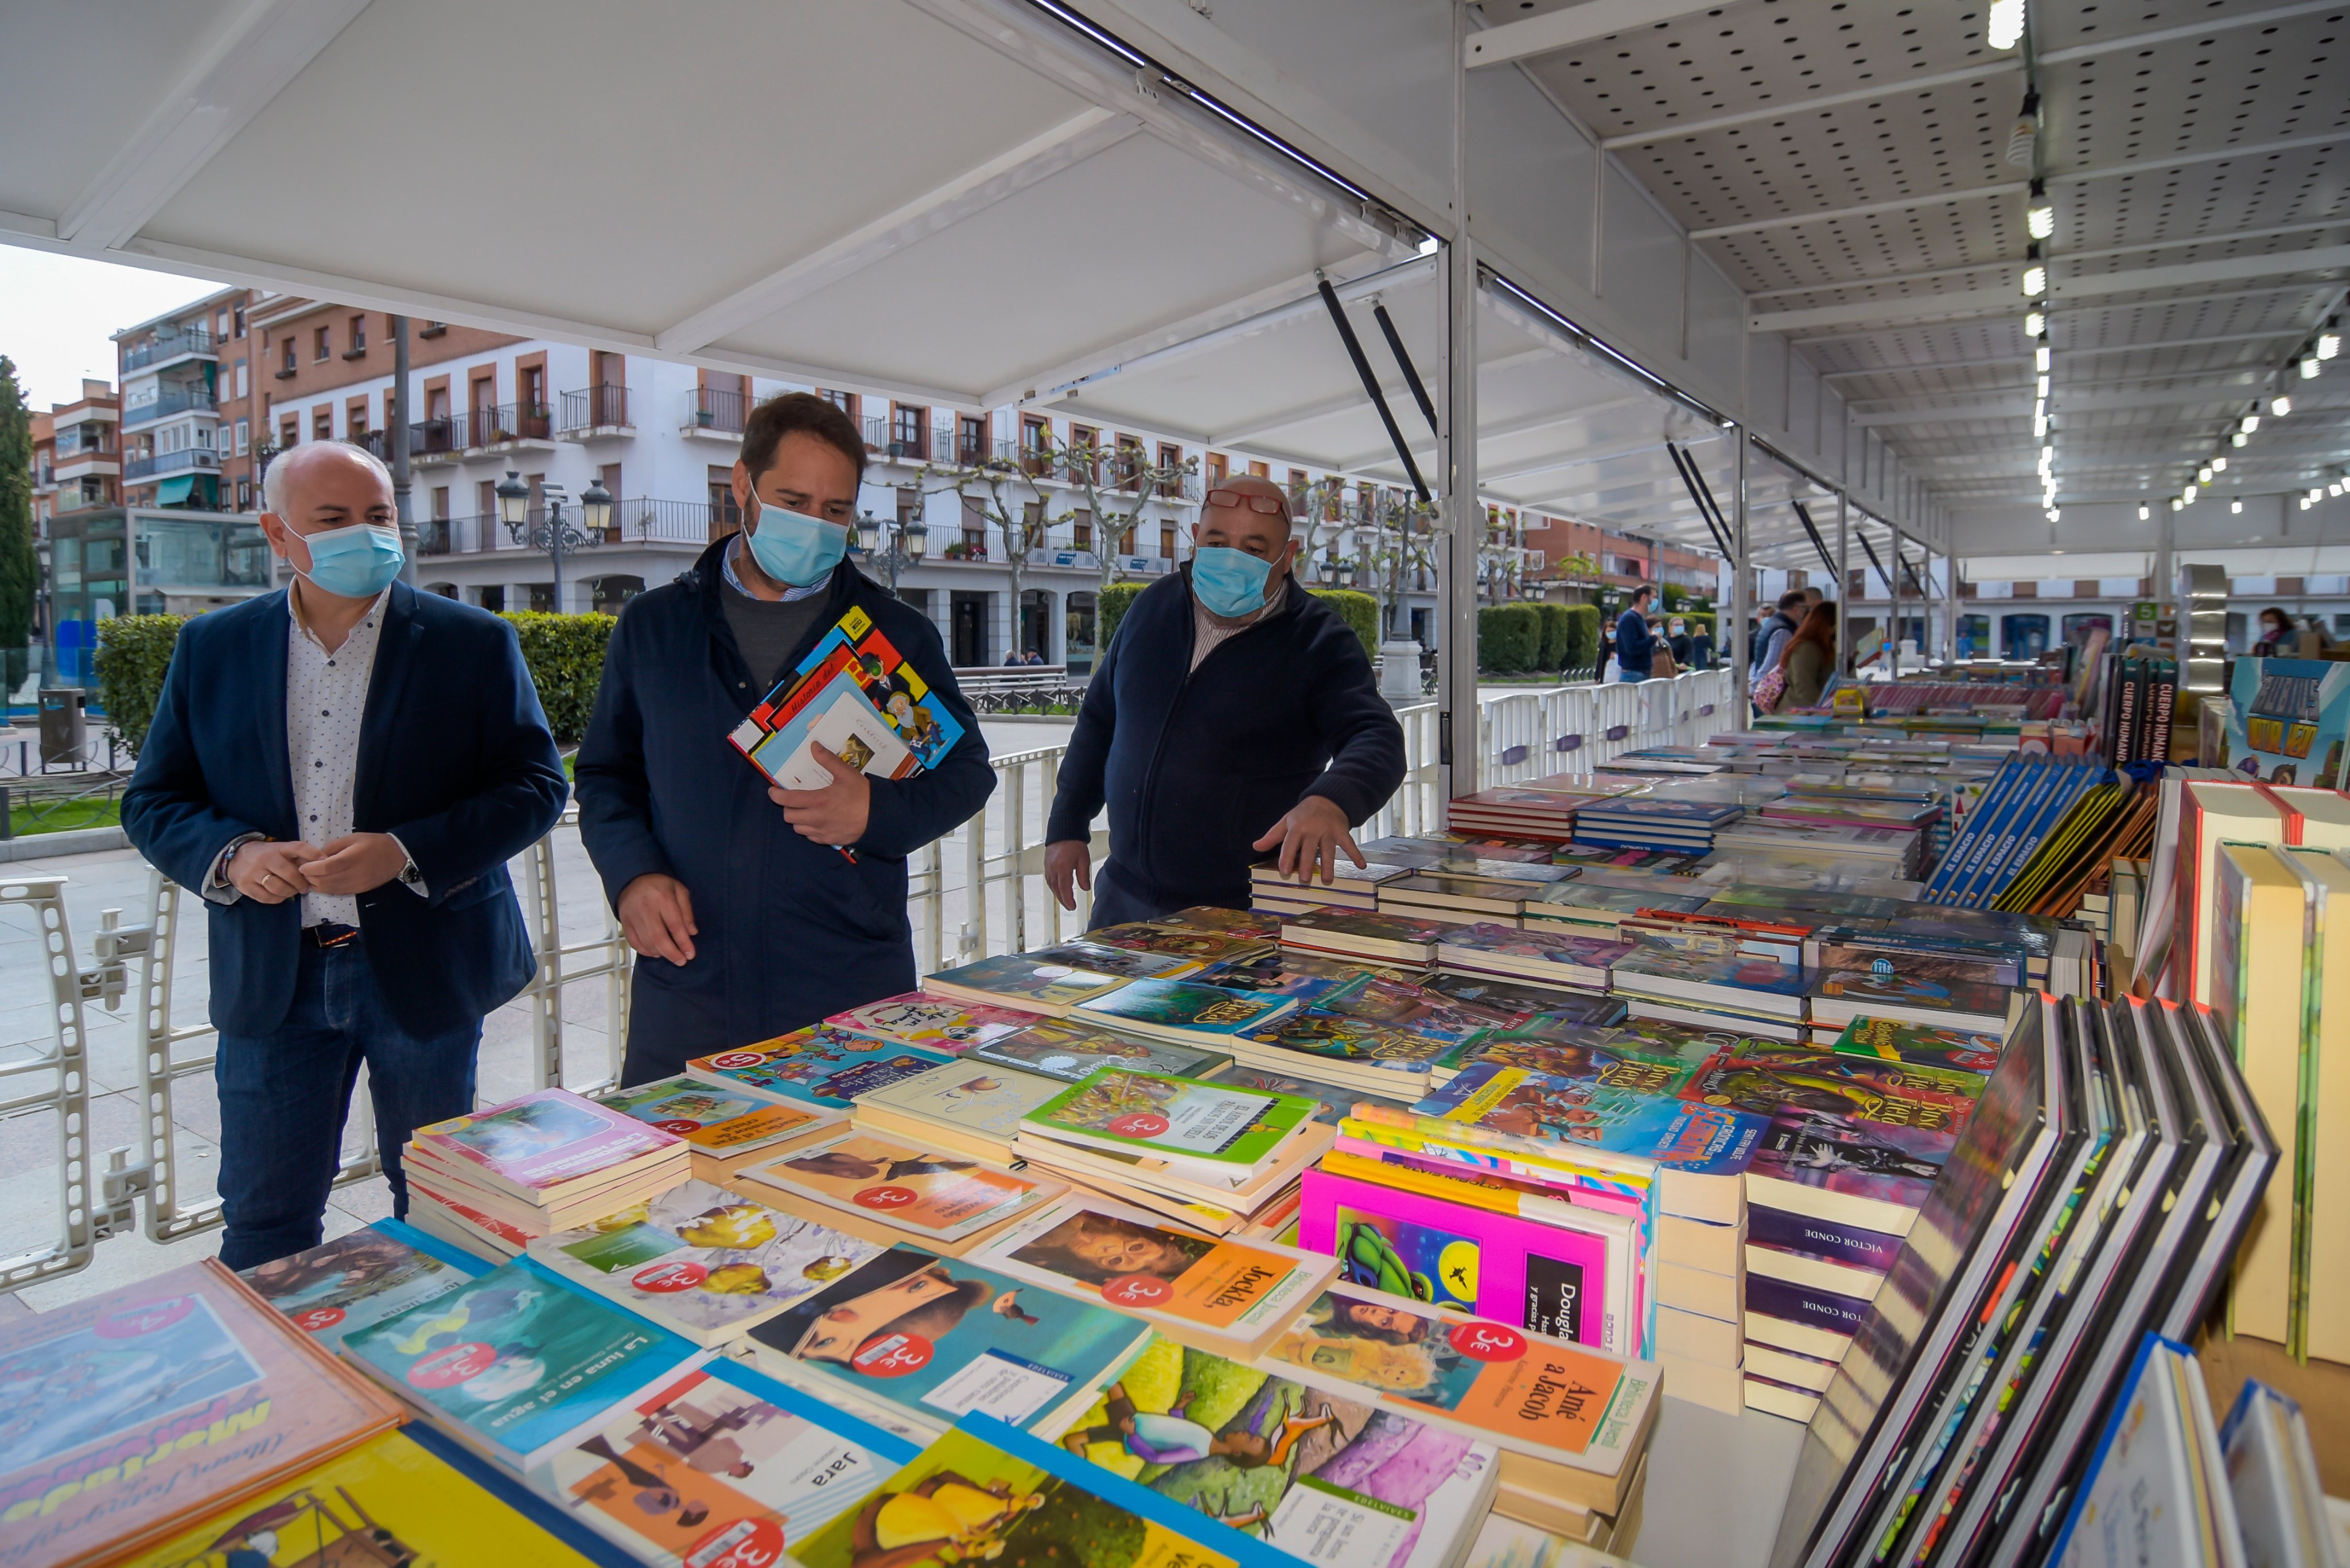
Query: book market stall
(1776, 1115)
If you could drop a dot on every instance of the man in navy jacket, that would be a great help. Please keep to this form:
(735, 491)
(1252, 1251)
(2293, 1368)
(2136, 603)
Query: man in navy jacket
(762, 910)
(342, 770)
(1233, 714)
(1635, 644)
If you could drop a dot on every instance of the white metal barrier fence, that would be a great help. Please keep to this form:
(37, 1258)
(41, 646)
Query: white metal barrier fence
(978, 891)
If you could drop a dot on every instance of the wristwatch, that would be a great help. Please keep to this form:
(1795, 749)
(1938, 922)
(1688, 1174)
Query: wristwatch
(409, 877)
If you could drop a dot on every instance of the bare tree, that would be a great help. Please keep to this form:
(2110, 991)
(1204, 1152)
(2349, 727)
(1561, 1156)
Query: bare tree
(1021, 527)
(1132, 483)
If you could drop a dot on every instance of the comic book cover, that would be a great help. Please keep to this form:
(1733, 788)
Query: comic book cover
(1305, 978)
(826, 1065)
(1895, 1166)
(1334, 1036)
(1489, 1102)
(1594, 1054)
(1256, 924)
(1917, 1044)
(890, 685)
(1408, 1006)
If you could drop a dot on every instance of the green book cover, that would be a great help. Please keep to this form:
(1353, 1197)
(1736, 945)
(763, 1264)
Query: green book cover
(1171, 1117)
(1183, 1004)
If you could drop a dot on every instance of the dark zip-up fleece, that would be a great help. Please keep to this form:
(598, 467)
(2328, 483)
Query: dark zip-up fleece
(790, 930)
(1195, 765)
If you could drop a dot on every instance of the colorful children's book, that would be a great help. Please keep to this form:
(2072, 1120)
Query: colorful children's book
(722, 1122)
(355, 1280)
(514, 1361)
(1338, 1040)
(1305, 977)
(821, 1065)
(1180, 1119)
(933, 1022)
(1335, 1481)
(1414, 1007)
(1221, 1292)
(1918, 1044)
(1178, 941)
(989, 1493)
(1588, 1415)
(1071, 1050)
(701, 1261)
(919, 1340)
(1463, 1259)
(837, 714)
(1127, 963)
(971, 1106)
(1561, 957)
(1370, 933)
(392, 1500)
(1767, 1077)
(910, 1186)
(1184, 1008)
(914, 718)
(1621, 1058)
(1332, 1103)
(1963, 1004)
(722, 1468)
(1253, 924)
(190, 1375)
(542, 1146)
(1018, 980)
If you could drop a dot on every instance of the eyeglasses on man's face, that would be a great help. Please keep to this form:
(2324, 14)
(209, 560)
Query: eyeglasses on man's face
(1270, 505)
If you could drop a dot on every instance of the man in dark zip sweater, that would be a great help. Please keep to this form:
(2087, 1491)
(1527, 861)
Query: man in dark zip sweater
(759, 911)
(1234, 714)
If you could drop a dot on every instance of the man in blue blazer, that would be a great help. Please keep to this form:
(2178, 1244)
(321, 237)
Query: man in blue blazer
(343, 770)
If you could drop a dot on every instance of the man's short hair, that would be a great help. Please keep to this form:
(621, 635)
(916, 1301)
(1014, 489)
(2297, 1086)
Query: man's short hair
(1643, 591)
(1791, 598)
(770, 421)
(280, 473)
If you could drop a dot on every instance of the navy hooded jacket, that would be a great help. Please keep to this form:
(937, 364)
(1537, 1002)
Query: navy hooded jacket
(790, 930)
(1195, 765)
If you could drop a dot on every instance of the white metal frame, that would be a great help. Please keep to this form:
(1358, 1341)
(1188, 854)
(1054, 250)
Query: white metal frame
(66, 1095)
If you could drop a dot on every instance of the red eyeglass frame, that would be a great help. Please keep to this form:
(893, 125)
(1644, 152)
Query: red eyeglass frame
(1267, 506)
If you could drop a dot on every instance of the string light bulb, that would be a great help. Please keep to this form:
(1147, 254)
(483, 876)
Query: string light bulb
(2219, 465)
(2329, 344)
(2235, 508)
(2280, 405)
(2144, 512)
(2239, 438)
(2187, 497)
(2035, 324)
(2039, 218)
(2005, 29)
(2309, 366)
(2035, 281)
(2039, 359)
(2251, 422)
(2203, 475)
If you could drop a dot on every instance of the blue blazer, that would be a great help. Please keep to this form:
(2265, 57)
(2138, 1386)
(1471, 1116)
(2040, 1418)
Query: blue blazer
(454, 758)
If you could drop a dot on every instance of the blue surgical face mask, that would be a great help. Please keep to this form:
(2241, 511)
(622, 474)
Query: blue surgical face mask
(794, 548)
(357, 562)
(1230, 582)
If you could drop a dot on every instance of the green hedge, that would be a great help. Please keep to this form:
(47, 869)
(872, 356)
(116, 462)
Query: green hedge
(1582, 637)
(1110, 606)
(1509, 637)
(1552, 654)
(133, 652)
(566, 656)
(1360, 611)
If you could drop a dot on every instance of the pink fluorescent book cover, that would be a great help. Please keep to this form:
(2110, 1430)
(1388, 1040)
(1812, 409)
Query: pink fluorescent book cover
(1538, 1277)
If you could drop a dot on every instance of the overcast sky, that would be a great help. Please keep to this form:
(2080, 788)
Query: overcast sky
(57, 313)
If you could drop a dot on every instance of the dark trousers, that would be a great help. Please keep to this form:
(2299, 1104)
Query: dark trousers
(1118, 900)
(284, 1098)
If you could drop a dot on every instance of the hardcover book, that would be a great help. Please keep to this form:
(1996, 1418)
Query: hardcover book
(702, 1261)
(1182, 1119)
(936, 1197)
(1838, 1168)
(1225, 1292)
(1018, 980)
(129, 1409)
(822, 1065)
(933, 1022)
(1070, 1052)
(1333, 1482)
(928, 1339)
(353, 1280)
(543, 1145)
(515, 1360)
(1186, 1007)
(722, 1468)
(853, 651)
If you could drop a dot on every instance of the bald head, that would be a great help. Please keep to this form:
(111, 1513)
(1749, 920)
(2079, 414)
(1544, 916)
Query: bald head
(323, 466)
(1235, 516)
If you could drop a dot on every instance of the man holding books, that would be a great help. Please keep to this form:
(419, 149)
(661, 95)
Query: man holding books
(342, 770)
(763, 909)
(1233, 715)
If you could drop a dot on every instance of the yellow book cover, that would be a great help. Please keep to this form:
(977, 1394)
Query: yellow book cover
(2258, 908)
(387, 1501)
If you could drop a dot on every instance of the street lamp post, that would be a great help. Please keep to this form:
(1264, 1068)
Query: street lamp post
(553, 535)
(907, 543)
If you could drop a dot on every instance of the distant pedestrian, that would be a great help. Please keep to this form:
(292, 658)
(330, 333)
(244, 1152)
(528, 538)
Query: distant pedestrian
(1634, 644)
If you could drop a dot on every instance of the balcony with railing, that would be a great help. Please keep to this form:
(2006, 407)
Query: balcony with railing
(715, 411)
(442, 435)
(643, 520)
(171, 401)
(76, 441)
(509, 422)
(594, 411)
(189, 342)
(188, 460)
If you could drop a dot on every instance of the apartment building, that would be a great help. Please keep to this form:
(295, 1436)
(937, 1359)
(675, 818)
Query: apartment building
(186, 383)
(1563, 556)
(77, 454)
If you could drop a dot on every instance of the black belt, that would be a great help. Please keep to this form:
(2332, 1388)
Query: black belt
(327, 934)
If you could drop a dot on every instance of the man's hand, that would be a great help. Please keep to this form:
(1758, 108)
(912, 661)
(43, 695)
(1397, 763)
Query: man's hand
(356, 863)
(1069, 865)
(838, 813)
(1311, 835)
(657, 917)
(269, 871)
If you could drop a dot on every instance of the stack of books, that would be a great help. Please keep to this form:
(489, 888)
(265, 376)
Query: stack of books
(1520, 813)
(1069, 1051)
(1545, 955)
(891, 1190)
(1440, 896)
(1591, 907)
(1655, 822)
(1351, 887)
(1183, 1012)
(971, 1106)
(726, 1125)
(820, 1066)
(1024, 983)
(1886, 852)
(1179, 1146)
(1710, 979)
(546, 1162)
(1349, 933)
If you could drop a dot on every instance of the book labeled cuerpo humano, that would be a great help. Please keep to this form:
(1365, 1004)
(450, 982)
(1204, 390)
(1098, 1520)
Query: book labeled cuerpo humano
(1574, 1422)
(1226, 1295)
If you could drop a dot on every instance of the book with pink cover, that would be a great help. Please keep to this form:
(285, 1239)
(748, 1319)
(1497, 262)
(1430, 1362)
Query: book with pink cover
(545, 1143)
(1543, 1278)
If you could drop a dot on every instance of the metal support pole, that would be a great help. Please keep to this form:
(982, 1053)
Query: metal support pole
(1950, 590)
(1456, 460)
(1844, 580)
(555, 548)
(1893, 586)
(396, 412)
(1742, 594)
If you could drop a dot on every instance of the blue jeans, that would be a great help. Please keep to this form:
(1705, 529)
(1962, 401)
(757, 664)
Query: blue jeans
(284, 1098)
(1633, 676)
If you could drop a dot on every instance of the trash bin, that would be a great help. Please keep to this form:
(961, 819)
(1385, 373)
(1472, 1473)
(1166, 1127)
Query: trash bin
(64, 724)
